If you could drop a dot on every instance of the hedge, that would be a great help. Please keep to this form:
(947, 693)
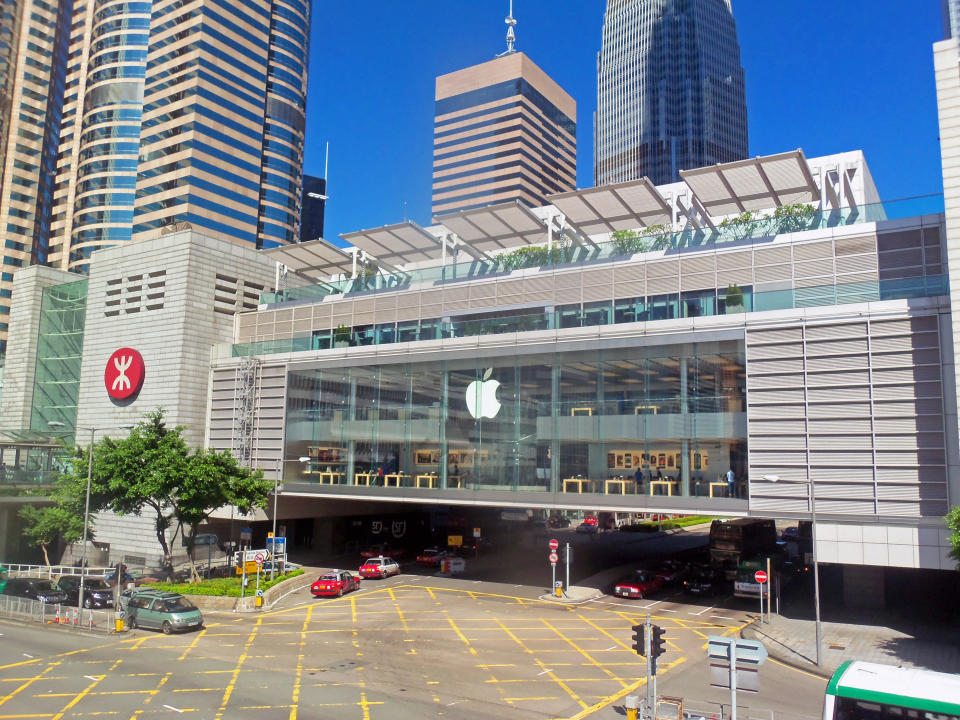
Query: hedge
(225, 587)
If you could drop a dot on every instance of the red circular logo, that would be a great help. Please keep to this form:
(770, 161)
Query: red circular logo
(123, 376)
(760, 576)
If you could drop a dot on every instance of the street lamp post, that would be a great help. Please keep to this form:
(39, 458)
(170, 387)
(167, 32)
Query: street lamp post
(276, 494)
(86, 505)
(812, 501)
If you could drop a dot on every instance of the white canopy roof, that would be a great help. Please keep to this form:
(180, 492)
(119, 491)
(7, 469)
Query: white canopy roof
(753, 184)
(496, 227)
(397, 244)
(316, 256)
(623, 206)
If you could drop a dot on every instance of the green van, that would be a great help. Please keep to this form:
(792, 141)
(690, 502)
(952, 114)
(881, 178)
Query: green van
(163, 611)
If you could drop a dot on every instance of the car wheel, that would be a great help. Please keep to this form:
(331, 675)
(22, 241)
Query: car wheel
(166, 627)
(340, 593)
(87, 603)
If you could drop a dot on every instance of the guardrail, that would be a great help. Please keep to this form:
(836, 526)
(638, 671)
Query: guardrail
(24, 609)
(53, 571)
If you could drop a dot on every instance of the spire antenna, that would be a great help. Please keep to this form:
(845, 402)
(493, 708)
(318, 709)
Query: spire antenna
(511, 34)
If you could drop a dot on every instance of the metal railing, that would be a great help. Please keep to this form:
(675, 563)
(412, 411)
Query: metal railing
(53, 571)
(34, 611)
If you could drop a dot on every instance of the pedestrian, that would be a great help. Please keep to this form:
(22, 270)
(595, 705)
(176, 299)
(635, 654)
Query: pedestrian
(731, 482)
(659, 475)
(638, 476)
(380, 475)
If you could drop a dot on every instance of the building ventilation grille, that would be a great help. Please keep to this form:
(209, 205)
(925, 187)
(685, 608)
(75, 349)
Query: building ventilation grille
(232, 295)
(135, 293)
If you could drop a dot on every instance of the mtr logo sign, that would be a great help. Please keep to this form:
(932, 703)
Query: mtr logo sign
(123, 376)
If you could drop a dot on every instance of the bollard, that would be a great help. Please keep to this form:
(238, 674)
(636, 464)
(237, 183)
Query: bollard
(632, 704)
(259, 602)
(119, 625)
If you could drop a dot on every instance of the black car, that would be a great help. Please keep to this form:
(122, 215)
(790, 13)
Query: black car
(704, 581)
(96, 592)
(41, 589)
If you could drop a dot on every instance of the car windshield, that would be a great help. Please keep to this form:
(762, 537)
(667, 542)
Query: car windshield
(96, 584)
(178, 604)
(328, 578)
(45, 586)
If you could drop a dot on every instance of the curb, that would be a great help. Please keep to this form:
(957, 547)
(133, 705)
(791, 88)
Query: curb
(781, 657)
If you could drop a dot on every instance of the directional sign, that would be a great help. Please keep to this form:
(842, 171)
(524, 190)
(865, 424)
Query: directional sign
(554, 557)
(554, 544)
(749, 655)
(760, 576)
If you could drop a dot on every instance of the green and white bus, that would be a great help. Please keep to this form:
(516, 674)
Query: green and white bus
(867, 691)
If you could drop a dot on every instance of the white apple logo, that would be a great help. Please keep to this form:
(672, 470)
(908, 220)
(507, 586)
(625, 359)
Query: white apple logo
(482, 397)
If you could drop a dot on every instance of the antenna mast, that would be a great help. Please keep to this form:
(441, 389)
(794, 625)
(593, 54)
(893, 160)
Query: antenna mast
(511, 35)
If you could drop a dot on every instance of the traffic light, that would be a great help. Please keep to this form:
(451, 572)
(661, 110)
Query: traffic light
(657, 645)
(638, 640)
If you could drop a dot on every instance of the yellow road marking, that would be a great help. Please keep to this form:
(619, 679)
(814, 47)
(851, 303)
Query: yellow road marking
(298, 675)
(403, 620)
(18, 664)
(584, 653)
(236, 670)
(462, 636)
(796, 669)
(28, 683)
(192, 645)
(80, 696)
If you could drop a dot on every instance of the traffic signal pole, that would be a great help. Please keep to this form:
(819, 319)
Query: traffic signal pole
(650, 661)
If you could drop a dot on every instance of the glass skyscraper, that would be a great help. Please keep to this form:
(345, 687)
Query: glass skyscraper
(126, 117)
(670, 90)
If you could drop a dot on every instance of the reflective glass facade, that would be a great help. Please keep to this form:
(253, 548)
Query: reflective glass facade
(56, 384)
(665, 420)
(670, 90)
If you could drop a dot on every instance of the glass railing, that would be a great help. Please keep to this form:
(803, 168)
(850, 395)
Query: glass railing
(660, 307)
(744, 228)
(28, 478)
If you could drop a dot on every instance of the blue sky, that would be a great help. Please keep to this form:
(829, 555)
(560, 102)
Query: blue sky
(824, 76)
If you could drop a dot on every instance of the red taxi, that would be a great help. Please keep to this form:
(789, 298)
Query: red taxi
(335, 582)
(380, 549)
(431, 557)
(637, 585)
(379, 567)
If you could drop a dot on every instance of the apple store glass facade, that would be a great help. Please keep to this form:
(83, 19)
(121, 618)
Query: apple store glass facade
(666, 420)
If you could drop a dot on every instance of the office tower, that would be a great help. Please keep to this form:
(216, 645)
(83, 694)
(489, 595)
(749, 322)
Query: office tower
(314, 205)
(951, 18)
(503, 130)
(670, 90)
(33, 62)
(181, 115)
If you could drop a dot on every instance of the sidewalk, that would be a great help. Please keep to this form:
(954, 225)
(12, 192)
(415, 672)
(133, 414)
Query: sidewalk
(913, 644)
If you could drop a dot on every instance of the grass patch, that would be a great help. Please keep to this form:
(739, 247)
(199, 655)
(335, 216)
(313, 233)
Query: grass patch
(222, 587)
(672, 524)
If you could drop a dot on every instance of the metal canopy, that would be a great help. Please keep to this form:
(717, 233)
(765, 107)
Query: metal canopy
(753, 184)
(623, 206)
(496, 227)
(402, 243)
(314, 257)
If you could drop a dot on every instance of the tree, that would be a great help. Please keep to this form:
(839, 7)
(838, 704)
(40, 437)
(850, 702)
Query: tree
(44, 526)
(153, 471)
(953, 523)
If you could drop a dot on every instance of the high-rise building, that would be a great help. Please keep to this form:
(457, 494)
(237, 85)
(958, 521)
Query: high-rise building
(503, 130)
(181, 115)
(670, 90)
(951, 18)
(314, 206)
(33, 63)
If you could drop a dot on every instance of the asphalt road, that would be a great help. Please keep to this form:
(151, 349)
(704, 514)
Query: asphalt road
(414, 646)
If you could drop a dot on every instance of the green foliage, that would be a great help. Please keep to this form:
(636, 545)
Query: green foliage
(654, 237)
(341, 334)
(153, 471)
(734, 296)
(953, 524)
(531, 256)
(223, 587)
(791, 218)
(46, 525)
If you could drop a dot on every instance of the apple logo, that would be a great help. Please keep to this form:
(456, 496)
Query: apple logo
(482, 397)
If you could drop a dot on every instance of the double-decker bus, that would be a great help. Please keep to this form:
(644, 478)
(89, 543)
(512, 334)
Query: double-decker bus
(867, 691)
(733, 541)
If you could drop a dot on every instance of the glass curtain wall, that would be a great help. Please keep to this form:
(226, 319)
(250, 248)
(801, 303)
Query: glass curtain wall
(661, 420)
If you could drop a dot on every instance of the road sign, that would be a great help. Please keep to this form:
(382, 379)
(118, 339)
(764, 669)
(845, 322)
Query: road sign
(259, 558)
(246, 534)
(554, 544)
(455, 540)
(748, 656)
(554, 557)
(760, 576)
(476, 532)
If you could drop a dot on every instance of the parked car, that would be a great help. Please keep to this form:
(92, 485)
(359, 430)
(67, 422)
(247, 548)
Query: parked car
(637, 585)
(128, 593)
(41, 589)
(557, 521)
(163, 611)
(588, 528)
(379, 567)
(96, 592)
(3, 578)
(335, 582)
(705, 581)
(670, 570)
(431, 556)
